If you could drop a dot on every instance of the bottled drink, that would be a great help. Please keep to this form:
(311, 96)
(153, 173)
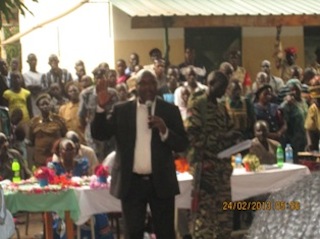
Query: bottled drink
(238, 161)
(319, 146)
(15, 167)
(289, 154)
(280, 156)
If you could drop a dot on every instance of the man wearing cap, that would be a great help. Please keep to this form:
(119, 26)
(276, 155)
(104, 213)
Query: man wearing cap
(44, 130)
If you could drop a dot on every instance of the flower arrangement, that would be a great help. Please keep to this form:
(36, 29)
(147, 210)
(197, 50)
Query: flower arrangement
(101, 171)
(44, 173)
(182, 165)
(252, 163)
(64, 181)
(99, 180)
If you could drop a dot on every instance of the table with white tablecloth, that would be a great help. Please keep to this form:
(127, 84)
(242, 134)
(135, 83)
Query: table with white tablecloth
(249, 184)
(93, 201)
(83, 202)
(243, 185)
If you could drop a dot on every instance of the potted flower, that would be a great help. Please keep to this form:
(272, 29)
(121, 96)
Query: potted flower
(102, 173)
(44, 175)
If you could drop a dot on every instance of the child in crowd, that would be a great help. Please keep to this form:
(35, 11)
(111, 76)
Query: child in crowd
(18, 97)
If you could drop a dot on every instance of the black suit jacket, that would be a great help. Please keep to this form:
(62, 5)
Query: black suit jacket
(121, 123)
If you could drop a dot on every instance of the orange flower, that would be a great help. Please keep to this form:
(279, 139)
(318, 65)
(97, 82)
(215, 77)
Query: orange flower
(182, 165)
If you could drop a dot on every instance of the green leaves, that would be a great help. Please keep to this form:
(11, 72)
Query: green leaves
(8, 8)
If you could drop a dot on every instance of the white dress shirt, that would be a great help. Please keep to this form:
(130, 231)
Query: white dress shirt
(142, 150)
(142, 162)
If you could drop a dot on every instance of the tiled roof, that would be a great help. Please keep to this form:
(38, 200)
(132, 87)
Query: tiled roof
(142, 8)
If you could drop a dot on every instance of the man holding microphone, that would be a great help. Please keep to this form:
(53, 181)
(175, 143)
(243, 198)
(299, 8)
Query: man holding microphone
(147, 132)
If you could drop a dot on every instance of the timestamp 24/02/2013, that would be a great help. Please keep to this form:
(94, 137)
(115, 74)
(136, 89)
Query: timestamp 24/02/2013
(261, 205)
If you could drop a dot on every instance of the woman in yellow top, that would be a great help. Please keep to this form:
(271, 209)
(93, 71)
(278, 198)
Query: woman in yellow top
(18, 97)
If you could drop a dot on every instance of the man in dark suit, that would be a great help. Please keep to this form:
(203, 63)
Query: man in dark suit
(147, 132)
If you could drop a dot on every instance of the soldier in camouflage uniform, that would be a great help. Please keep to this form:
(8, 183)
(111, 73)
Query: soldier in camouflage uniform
(210, 131)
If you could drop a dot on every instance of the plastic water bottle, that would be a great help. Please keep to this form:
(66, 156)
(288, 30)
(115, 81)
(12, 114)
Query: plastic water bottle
(280, 156)
(15, 167)
(238, 161)
(289, 154)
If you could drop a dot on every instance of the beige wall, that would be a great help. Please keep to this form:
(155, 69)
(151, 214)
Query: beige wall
(258, 44)
(141, 41)
(123, 48)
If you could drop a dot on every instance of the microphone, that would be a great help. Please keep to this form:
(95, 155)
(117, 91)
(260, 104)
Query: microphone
(149, 107)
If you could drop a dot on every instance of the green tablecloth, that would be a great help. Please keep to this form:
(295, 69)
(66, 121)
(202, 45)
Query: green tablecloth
(58, 202)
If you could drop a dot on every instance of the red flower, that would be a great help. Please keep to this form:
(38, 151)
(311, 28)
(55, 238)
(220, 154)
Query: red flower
(101, 171)
(44, 173)
(64, 181)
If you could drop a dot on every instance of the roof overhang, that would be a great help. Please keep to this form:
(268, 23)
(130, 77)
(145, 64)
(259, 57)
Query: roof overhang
(220, 13)
(224, 21)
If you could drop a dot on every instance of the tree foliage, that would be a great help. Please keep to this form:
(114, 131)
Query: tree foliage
(7, 8)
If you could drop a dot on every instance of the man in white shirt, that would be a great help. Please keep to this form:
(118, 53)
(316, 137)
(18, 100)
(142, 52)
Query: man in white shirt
(32, 80)
(147, 132)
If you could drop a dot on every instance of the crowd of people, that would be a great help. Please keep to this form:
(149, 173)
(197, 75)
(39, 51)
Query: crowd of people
(52, 114)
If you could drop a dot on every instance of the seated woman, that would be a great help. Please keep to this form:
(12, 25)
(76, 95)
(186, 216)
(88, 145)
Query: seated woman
(263, 147)
(7, 156)
(70, 167)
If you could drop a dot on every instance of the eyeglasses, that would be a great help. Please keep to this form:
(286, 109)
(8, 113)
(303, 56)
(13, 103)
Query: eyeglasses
(265, 66)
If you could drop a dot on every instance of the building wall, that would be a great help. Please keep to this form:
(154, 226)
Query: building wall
(84, 34)
(95, 33)
(141, 41)
(258, 44)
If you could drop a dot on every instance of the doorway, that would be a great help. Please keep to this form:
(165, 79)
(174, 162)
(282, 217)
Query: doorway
(213, 44)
